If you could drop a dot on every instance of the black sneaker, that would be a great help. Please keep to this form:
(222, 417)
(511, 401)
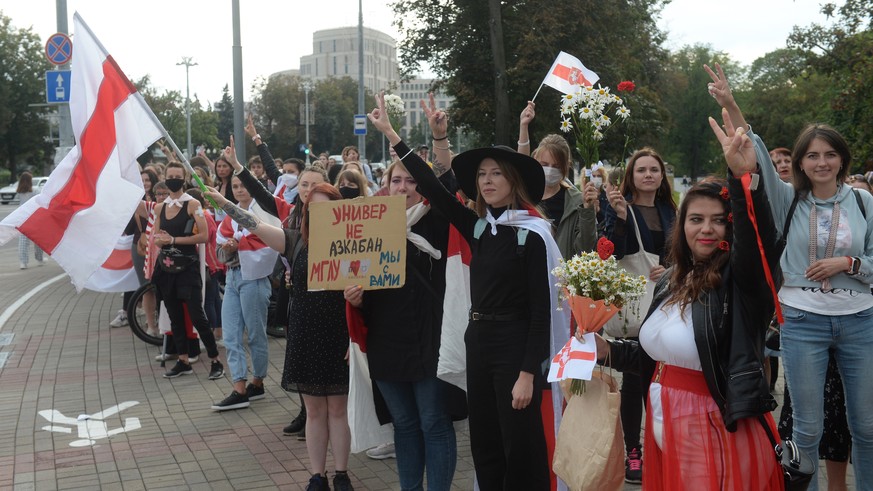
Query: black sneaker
(633, 466)
(296, 425)
(341, 482)
(180, 368)
(301, 435)
(217, 370)
(234, 401)
(255, 392)
(317, 483)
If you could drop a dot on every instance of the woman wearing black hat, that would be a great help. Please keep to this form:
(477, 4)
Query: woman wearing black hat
(511, 329)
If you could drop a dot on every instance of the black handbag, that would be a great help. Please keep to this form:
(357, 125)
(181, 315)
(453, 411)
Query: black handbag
(797, 467)
(172, 260)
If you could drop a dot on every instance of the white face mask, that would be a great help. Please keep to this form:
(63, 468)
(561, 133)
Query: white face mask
(553, 175)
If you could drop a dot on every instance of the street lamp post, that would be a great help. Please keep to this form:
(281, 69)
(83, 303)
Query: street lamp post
(307, 86)
(186, 61)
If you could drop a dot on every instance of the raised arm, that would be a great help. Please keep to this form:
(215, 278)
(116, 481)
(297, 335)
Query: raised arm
(527, 115)
(439, 128)
(266, 157)
(257, 190)
(274, 237)
(720, 89)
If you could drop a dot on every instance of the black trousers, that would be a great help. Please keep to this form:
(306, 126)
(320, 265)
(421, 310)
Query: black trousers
(631, 407)
(508, 445)
(176, 311)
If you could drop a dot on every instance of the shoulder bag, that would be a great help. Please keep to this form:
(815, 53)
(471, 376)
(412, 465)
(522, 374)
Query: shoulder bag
(627, 323)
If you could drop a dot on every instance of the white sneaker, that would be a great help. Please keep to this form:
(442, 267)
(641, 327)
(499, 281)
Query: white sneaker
(120, 319)
(165, 357)
(382, 452)
(193, 359)
(40, 262)
(22, 266)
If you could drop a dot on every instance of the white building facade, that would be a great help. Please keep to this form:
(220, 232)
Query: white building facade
(335, 54)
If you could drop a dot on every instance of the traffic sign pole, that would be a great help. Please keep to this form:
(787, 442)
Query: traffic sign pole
(65, 123)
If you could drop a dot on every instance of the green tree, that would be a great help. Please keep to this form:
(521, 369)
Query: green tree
(843, 53)
(224, 107)
(689, 145)
(23, 129)
(619, 40)
(169, 107)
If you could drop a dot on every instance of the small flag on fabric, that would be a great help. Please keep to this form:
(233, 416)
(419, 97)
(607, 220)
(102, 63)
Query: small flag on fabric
(567, 74)
(255, 258)
(91, 195)
(116, 274)
(576, 360)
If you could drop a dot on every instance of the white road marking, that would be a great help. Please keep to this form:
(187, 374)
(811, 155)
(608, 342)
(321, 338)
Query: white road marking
(27, 296)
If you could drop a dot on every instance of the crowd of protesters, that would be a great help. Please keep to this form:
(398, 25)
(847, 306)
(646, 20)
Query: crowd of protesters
(697, 366)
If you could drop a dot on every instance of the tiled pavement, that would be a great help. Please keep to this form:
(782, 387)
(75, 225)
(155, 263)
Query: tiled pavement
(63, 356)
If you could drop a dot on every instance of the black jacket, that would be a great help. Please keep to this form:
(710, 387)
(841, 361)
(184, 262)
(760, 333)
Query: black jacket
(730, 321)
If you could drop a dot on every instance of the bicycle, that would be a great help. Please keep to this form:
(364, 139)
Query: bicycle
(136, 317)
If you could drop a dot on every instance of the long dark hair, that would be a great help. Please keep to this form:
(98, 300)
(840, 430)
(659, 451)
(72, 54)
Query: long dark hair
(828, 135)
(326, 189)
(520, 199)
(664, 194)
(689, 279)
(25, 183)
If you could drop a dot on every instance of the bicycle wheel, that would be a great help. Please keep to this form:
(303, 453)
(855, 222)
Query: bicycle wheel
(136, 316)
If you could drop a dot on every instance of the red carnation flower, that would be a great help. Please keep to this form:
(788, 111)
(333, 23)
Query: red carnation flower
(626, 86)
(731, 217)
(725, 194)
(605, 248)
(723, 245)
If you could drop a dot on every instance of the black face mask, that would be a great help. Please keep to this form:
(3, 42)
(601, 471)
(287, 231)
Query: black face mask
(349, 192)
(174, 184)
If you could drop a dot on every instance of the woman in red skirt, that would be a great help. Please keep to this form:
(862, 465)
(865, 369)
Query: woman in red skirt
(708, 407)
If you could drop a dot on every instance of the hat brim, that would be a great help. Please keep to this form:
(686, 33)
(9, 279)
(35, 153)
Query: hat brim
(466, 167)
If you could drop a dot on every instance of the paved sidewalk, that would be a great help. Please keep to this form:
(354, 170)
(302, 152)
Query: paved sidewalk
(63, 356)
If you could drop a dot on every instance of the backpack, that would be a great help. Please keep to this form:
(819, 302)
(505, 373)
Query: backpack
(521, 234)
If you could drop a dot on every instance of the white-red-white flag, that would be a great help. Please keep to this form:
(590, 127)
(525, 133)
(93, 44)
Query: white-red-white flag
(117, 273)
(91, 195)
(452, 364)
(575, 360)
(567, 74)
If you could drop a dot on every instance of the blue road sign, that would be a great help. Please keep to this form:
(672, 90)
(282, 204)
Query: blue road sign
(57, 86)
(360, 124)
(59, 49)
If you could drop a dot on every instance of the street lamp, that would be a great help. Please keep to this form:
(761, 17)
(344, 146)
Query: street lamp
(307, 86)
(186, 61)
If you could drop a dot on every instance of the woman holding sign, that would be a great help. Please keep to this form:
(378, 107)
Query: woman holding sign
(403, 344)
(508, 336)
(318, 340)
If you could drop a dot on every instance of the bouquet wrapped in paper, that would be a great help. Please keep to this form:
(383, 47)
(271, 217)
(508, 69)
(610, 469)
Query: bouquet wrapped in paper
(596, 287)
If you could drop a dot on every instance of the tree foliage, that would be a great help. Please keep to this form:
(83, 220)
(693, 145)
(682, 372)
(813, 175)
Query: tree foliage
(23, 129)
(843, 55)
(619, 40)
(169, 107)
(278, 108)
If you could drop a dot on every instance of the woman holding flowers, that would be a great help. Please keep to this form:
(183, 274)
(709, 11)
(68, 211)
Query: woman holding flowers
(644, 191)
(708, 414)
(511, 321)
(828, 266)
(571, 211)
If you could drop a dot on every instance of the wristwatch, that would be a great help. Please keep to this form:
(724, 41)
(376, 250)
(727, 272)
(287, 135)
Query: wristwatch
(856, 266)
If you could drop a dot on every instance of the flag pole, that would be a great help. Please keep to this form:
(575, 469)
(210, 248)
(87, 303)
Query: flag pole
(538, 92)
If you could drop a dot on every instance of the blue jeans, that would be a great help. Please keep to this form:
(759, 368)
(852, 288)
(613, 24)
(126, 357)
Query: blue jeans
(806, 338)
(245, 308)
(423, 433)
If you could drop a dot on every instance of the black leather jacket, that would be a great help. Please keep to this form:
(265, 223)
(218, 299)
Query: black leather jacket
(730, 321)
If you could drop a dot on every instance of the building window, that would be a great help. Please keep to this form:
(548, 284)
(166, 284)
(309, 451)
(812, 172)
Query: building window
(334, 66)
(316, 67)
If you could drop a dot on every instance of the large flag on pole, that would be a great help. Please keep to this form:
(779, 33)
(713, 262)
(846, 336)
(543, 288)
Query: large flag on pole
(567, 74)
(117, 273)
(90, 197)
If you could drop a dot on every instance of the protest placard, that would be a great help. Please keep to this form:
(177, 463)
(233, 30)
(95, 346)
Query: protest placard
(357, 242)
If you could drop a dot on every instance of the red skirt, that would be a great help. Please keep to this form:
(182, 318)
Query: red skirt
(697, 452)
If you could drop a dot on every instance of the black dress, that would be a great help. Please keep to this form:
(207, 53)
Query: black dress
(318, 338)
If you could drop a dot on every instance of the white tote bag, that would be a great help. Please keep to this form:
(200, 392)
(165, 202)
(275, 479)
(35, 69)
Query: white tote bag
(627, 323)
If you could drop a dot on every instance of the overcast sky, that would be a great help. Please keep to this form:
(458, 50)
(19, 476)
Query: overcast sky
(151, 37)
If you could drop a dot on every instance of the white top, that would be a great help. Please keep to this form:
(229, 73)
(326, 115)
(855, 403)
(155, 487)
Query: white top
(668, 337)
(835, 301)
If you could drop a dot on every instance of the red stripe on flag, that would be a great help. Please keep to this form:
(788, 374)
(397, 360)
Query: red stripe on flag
(46, 226)
(564, 72)
(119, 260)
